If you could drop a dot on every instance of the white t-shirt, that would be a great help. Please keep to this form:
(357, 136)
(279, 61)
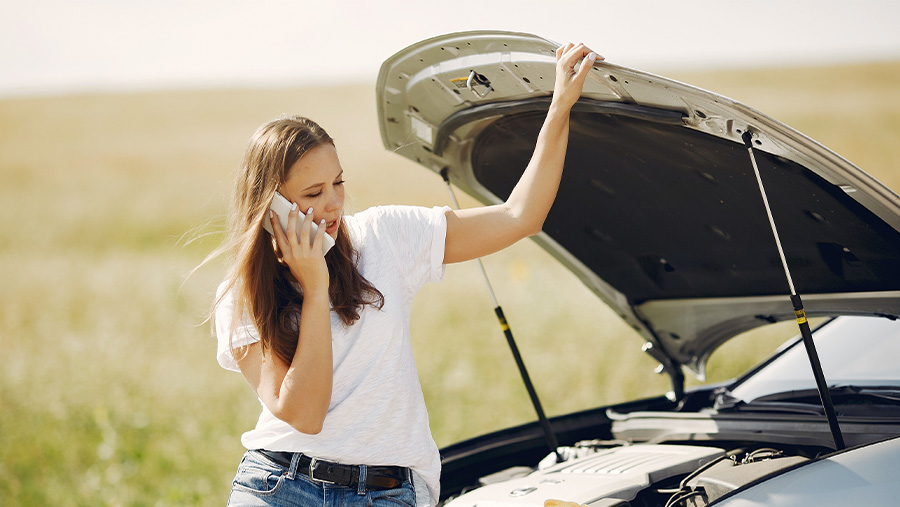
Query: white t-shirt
(377, 414)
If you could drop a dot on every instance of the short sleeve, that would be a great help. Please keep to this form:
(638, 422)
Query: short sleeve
(245, 333)
(417, 236)
(434, 255)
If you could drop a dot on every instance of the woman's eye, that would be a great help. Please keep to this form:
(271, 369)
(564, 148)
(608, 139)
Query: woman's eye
(339, 182)
(311, 196)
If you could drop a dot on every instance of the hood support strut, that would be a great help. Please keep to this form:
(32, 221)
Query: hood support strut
(799, 312)
(549, 436)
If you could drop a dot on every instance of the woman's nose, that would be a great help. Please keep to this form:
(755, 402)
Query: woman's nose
(335, 201)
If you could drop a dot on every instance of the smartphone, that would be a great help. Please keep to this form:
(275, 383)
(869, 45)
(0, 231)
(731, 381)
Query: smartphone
(282, 207)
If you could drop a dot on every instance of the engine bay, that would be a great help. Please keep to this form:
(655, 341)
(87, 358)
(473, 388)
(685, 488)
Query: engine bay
(618, 474)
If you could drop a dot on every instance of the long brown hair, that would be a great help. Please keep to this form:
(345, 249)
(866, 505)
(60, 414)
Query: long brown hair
(263, 287)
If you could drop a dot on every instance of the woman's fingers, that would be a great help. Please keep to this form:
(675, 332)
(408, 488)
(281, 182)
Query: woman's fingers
(319, 238)
(305, 231)
(302, 256)
(570, 54)
(569, 82)
(290, 244)
(587, 64)
(280, 239)
(292, 227)
(560, 51)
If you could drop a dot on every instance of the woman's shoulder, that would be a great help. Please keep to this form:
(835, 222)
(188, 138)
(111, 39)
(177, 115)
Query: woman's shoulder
(404, 230)
(393, 223)
(397, 213)
(381, 211)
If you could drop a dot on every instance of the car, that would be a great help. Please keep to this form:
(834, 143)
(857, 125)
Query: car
(696, 218)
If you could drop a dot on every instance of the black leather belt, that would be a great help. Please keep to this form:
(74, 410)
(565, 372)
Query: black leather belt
(377, 477)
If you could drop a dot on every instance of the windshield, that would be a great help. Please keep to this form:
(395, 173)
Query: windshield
(857, 351)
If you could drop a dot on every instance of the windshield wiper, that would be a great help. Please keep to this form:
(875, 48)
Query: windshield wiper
(806, 401)
(884, 392)
(890, 393)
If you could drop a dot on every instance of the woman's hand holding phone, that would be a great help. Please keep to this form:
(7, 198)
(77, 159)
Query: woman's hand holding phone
(282, 208)
(305, 259)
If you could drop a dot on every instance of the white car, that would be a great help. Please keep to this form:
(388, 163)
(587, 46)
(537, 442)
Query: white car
(670, 205)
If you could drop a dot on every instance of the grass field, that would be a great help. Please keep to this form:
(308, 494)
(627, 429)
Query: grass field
(110, 391)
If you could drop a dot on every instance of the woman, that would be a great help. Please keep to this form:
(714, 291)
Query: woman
(324, 339)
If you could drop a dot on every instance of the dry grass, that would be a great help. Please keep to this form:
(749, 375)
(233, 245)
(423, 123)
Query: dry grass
(110, 391)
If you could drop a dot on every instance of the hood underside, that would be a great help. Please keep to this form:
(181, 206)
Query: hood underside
(659, 211)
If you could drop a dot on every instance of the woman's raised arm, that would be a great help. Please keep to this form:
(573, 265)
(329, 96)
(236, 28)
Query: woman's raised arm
(481, 231)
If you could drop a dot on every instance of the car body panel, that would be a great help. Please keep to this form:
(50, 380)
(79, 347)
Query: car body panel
(863, 476)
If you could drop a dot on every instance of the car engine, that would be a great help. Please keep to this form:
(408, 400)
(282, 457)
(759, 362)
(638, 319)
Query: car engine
(641, 475)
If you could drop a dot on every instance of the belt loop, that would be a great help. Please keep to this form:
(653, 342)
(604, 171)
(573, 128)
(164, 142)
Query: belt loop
(361, 483)
(295, 461)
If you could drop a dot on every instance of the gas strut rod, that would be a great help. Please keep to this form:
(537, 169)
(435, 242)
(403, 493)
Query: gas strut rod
(799, 312)
(549, 436)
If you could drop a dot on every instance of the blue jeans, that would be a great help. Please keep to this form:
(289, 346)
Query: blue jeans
(261, 482)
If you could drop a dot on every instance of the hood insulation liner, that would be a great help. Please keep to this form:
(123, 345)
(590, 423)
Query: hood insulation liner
(662, 211)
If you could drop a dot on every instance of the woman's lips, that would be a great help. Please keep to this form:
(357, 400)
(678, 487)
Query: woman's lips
(332, 227)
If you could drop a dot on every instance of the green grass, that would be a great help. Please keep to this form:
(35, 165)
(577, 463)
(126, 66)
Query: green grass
(109, 387)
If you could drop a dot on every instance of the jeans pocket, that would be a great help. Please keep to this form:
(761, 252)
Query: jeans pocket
(404, 496)
(258, 478)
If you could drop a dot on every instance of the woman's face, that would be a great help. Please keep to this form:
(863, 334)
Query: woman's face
(316, 181)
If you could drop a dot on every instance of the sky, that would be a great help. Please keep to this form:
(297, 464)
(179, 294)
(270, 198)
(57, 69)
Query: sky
(66, 46)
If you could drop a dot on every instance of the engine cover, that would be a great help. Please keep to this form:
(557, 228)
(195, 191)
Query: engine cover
(610, 473)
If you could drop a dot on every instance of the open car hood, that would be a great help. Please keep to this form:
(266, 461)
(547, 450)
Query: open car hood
(659, 212)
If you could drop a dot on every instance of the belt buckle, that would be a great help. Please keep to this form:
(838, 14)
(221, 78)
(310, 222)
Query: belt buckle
(313, 464)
